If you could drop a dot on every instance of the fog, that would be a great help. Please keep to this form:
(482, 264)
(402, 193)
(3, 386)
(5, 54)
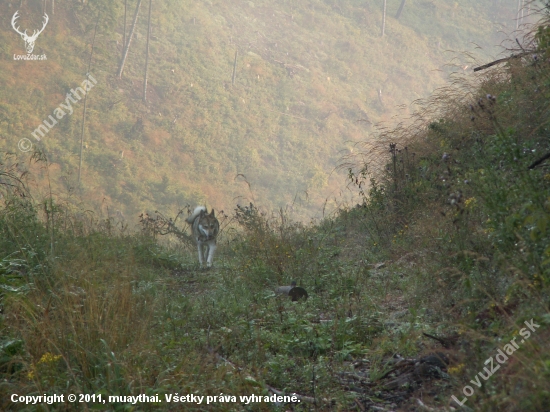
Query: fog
(224, 102)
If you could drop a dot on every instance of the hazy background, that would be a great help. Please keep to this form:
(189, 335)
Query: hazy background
(312, 79)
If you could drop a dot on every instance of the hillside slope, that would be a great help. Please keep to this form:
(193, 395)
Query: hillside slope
(310, 79)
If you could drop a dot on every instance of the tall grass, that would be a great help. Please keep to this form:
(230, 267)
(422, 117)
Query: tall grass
(79, 304)
(460, 198)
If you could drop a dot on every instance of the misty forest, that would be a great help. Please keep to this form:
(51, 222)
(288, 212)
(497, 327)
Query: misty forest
(283, 205)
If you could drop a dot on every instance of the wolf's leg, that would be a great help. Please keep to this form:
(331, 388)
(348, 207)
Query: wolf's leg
(201, 259)
(211, 250)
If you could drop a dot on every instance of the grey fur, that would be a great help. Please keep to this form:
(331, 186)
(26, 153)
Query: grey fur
(205, 229)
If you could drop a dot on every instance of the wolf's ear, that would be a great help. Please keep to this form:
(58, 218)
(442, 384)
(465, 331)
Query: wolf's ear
(212, 213)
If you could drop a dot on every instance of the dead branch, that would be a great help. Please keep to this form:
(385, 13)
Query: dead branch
(220, 357)
(447, 342)
(161, 225)
(359, 405)
(513, 56)
(539, 161)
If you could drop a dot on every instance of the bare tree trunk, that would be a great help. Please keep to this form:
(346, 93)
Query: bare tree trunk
(147, 53)
(234, 69)
(82, 138)
(522, 11)
(127, 45)
(384, 18)
(517, 14)
(86, 103)
(400, 10)
(53, 7)
(124, 31)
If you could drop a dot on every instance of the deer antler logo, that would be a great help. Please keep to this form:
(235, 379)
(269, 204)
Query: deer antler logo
(29, 40)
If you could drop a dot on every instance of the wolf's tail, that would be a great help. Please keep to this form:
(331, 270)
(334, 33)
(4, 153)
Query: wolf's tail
(195, 213)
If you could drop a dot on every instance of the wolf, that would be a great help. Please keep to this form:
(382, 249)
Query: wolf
(205, 228)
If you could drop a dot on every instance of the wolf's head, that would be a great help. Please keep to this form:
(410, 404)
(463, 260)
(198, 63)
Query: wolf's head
(208, 224)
